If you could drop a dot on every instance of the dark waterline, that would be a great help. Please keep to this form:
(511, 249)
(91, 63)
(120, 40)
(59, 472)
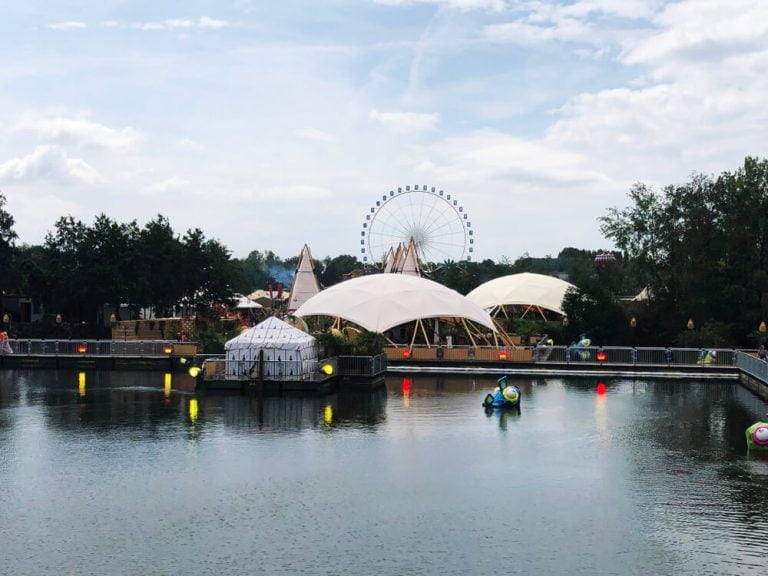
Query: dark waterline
(113, 473)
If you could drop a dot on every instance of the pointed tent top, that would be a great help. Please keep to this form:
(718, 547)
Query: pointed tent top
(410, 263)
(305, 284)
(397, 258)
(389, 261)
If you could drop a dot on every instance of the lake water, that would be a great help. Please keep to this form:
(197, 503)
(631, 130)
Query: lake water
(117, 473)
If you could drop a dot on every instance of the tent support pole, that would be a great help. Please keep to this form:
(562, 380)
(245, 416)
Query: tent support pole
(506, 340)
(424, 332)
(415, 331)
(469, 333)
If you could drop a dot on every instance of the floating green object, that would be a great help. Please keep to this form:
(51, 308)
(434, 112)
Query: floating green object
(757, 436)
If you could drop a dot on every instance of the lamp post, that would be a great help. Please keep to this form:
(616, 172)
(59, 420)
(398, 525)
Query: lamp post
(633, 325)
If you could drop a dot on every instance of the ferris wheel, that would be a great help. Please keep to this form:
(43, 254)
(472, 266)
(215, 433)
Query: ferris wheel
(435, 221)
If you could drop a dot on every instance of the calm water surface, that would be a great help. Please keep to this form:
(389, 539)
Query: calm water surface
(128, 473)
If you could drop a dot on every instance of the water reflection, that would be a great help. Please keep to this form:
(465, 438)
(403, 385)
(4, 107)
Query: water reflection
(613, 476)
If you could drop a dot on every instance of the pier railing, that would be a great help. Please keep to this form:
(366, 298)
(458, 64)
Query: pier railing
(581, 355)
(140, 348)
(362, 365)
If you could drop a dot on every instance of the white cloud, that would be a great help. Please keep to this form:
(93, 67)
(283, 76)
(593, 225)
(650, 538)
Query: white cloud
(699, 105)
(314, 134)
(191, 145)
(704, 30)
(298, 192)
(530, 34)
(36, 213)
(49, 163)
(67, 26)
(592, 22)
(402, 122)
(495, 156)
(202, 23)
(463, 5)
(172, 184)
(76, 130)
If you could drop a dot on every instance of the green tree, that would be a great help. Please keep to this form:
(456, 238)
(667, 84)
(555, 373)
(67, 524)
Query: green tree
(108, 262)
(8, 279)
(333, 270)
(158, 258)
(64, 269)
(208, 274)
(701, 248)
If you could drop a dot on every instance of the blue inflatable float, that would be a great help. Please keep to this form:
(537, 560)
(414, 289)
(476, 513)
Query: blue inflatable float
(504, 396)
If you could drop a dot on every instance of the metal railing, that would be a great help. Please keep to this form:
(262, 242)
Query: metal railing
(92, 347)
(752, 365)
(595, 355)
(362, 365)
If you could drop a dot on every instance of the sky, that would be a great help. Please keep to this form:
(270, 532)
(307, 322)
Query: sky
(269, 125)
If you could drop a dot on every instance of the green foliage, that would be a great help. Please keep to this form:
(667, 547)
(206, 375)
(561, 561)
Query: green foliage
(534, 326)
(212, 337)
(368, 343)
(333, 270)
(335, 343)
(702, 250)
(712, 334)
(10, 279)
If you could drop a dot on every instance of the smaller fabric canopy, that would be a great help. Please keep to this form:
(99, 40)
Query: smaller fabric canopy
(243, 303)
(525, 289)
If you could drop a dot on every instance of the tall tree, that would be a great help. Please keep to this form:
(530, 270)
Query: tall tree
(159, 255)
(207, 272)
(66, 278)
(7, 248)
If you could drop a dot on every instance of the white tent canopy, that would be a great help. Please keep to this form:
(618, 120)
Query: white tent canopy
(243, 303)
(382, 301)
(524, 289)
(288, 353)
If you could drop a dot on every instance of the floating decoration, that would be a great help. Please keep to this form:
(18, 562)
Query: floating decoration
(757, 436)
(504, 396)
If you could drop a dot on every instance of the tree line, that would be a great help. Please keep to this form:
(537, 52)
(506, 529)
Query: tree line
(698, 251)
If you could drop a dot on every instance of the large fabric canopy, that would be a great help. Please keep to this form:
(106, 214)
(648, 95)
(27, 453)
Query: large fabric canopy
(382, 301)
(524, 289)
(288, 353)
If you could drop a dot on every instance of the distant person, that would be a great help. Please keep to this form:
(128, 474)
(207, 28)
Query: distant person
(183, 337)
(761, 353)
(5, 345)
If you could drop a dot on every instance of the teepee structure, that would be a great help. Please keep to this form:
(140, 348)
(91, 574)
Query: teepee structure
(305, 284)
(409, 264)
